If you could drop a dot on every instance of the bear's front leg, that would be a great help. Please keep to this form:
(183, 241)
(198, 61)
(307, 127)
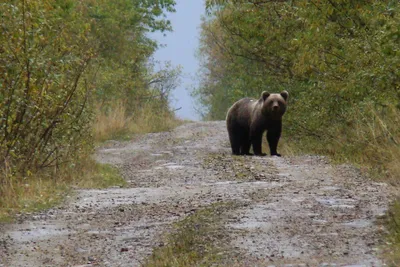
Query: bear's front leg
(245, 148)
(256, 142)
(273, 136)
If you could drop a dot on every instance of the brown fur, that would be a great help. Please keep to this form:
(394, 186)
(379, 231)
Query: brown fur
(248, 119)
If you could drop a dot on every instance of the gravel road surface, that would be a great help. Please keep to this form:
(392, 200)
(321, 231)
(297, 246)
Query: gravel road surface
(293, 211)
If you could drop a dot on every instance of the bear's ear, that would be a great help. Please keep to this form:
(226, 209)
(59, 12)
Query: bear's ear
(265, 95)
(285, 95)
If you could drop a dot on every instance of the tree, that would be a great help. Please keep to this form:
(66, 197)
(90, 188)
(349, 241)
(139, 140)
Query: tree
(332, 55)
(44, 109)
(56, 59)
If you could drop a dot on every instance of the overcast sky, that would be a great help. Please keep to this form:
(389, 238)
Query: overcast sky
(181, 45)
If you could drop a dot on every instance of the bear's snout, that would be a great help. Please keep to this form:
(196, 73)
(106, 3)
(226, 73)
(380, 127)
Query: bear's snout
(275, 107)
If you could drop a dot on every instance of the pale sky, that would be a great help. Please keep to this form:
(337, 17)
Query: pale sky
(181, 46)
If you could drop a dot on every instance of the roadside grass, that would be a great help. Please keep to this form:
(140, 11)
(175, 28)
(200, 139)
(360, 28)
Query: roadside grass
(109, 122)
(29, 195)
(285, 147)
(46, 189)
(198, 240)
(114, 123)
(371, 142)
(97, 175)
(150, 119)
(392, 223)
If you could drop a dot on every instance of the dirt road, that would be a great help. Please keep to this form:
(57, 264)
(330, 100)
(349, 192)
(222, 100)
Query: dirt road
(299, 211)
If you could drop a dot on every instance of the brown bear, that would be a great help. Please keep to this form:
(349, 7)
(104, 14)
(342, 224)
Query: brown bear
(248, 119)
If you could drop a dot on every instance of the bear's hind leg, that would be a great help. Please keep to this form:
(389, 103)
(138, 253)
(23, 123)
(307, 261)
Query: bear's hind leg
(235, 143)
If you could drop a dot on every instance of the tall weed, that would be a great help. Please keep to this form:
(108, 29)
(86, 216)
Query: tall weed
(151, 118)
(46, 188)
(110, 121)
(115, 122)
(370, 138)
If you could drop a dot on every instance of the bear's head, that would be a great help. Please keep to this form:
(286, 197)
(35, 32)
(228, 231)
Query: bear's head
(274, 105)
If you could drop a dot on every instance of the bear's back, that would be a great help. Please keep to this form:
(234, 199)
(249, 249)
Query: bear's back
(241, 112)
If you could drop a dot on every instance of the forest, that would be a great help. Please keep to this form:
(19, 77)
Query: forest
(339, 61)
(72, 74)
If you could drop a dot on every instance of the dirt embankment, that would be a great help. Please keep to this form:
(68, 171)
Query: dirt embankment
(290, 210)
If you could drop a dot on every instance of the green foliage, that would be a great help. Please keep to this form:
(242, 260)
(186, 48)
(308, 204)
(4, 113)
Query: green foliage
(124, 69)
(56, 54)
(339, 53)
(59, 60)
(338, 59)
(43, 97)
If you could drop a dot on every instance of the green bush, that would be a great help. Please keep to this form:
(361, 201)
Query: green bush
(60, 63)
(336, 58)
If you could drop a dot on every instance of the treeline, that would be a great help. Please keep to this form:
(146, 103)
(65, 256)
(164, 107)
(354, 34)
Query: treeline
(62, 62)
(339, 60)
